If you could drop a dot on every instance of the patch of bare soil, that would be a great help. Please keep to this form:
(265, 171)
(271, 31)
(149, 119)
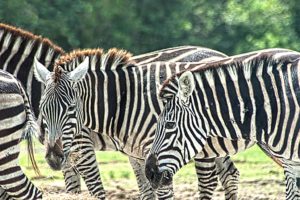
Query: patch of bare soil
(248, 190)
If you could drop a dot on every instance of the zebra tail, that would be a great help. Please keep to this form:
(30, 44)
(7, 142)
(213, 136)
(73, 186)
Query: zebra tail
(31, 128)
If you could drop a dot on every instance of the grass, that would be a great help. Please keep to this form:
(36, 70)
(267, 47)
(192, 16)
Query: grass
(252, 164)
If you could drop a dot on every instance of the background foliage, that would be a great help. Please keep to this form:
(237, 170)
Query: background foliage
(231, 26)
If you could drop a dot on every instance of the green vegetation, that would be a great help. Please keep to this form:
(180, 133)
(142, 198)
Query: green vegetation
(230, 26)
(114, 166)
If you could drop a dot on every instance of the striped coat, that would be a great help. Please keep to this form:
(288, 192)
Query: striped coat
(253, 96)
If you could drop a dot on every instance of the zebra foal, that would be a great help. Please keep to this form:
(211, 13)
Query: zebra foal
(17, 122)
(253, 96)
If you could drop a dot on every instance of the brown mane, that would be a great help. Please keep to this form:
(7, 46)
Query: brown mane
(18, 32)
(233, 61)
(77, 53)
(57, 73)
(112, 57)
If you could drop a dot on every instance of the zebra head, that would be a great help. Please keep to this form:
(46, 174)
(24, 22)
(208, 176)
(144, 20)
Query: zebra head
(60, 109)
(175, 143)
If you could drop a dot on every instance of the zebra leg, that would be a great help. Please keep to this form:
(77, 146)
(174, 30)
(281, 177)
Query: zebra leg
(16, 184)
(72, 180)
(228, 176)
(207, 177)
(165, 193)
(12, 179)
(4, 195)
(146, 191)
(82, 159)
(292, 179)
(209, 170)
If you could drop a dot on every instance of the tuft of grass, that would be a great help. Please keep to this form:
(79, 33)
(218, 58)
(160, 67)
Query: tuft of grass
(125, 174)
(112, 174)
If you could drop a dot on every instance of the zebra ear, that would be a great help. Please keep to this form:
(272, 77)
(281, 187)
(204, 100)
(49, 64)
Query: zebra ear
(40, 71)
(186, 85)
(79, 72)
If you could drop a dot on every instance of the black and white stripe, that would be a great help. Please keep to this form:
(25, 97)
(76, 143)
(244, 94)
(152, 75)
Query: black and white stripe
(16, 123)
(208, 169)
(252, 96)
(19, 47)
(113, 93)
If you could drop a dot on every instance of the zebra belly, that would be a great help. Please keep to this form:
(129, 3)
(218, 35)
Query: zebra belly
(287, 147)
(103, 142)
(221, 147)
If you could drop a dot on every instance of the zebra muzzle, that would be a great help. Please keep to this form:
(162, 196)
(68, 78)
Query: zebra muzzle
(156, 177)
(54, 156)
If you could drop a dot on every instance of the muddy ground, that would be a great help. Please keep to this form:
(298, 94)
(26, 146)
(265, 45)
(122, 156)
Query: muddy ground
(256, 189)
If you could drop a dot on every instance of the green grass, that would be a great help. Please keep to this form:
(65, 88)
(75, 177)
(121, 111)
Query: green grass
(253, 164)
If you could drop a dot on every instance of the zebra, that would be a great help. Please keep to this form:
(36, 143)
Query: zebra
(17, 122)
(253, 96)
(86, 88)
(17, 49)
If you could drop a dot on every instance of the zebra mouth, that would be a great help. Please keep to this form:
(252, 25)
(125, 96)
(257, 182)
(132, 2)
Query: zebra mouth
(55, 162)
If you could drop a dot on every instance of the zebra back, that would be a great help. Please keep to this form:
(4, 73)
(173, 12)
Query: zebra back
(178, 54)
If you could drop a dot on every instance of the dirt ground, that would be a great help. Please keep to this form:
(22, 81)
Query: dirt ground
(256, 190)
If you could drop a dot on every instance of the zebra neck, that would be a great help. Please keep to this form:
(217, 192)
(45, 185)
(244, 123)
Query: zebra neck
(251, 101)
(122, 103)
(104, 95)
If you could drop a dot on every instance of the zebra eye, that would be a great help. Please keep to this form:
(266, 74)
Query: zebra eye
(170, 125)
(72, 107)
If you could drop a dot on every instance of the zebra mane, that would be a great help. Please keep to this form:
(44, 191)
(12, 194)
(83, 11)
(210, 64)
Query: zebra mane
(246, 61)
(18, 32)
(111, 59)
